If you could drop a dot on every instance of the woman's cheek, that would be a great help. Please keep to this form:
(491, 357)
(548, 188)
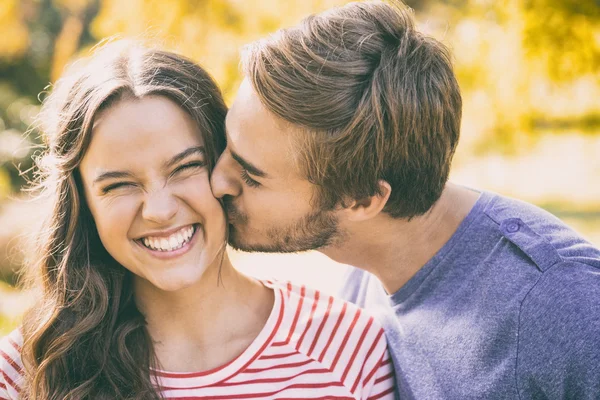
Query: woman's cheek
(196, 188)
(117, 213)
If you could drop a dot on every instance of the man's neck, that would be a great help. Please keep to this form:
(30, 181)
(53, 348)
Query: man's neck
(394, 250)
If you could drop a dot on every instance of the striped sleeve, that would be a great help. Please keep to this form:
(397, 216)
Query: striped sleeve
(363, 357)
(11, 369)
(346, 340)
(382, 383)
(3, 392)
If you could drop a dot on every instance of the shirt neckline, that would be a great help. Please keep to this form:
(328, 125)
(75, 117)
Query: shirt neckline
(411, 286)
(224, 372)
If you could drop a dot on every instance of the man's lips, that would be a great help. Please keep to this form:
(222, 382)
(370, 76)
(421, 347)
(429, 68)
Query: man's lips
(234, 217)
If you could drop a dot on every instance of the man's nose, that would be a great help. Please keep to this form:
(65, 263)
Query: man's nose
(160, 206)
(224, 180)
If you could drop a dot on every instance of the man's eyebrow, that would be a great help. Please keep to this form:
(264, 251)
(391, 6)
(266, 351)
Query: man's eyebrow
(198, 150)
(248, 166)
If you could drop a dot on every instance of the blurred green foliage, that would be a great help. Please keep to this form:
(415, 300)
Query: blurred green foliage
(8, 320)
(564, 35)
(6, 326)
(514, 58)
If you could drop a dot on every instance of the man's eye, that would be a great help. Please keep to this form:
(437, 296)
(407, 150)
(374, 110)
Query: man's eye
(249, 181)
(114, 186)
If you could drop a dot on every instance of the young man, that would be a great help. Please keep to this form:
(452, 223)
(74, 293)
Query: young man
(341, 139)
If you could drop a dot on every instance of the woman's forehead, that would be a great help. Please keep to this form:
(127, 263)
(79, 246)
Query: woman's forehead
(147, 130)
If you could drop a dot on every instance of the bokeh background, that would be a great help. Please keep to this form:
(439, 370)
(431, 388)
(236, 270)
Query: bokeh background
(528, 69)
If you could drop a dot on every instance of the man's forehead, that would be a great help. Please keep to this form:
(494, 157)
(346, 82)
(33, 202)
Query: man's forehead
(259, 136)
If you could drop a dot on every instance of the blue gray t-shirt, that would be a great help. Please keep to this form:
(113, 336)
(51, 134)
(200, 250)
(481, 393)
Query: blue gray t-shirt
(509, 308)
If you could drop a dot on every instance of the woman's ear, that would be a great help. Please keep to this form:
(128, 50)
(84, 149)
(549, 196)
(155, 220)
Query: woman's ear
(369, 207)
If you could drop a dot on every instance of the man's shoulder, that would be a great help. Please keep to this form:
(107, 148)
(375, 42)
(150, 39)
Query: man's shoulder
(564, 296)
(540, 235)
(558, 330)
(559, 318)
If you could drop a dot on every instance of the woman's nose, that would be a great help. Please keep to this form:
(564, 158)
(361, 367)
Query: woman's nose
(160, 206)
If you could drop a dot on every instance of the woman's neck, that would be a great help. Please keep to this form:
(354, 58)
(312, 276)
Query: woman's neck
(208, 324)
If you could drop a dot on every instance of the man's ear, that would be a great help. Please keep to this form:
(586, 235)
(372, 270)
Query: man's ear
(369, 207)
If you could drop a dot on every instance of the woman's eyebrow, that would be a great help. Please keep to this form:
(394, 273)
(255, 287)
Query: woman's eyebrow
(197, 150)
(111, 175)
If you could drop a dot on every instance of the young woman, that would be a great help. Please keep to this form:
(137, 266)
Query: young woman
(138, 297)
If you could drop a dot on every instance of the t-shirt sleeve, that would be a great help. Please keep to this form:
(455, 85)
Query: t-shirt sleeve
(382, 381)
(377, 373)
(355, 282)
(10, 366)
(558, 354)
(3, 389)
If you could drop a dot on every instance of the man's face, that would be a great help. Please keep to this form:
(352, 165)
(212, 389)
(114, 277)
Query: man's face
(268, 201)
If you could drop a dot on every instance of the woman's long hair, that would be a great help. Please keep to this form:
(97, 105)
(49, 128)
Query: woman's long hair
(85, 338)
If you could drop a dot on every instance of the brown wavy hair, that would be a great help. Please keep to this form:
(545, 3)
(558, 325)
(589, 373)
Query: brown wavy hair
(85, 338)
(374, 98)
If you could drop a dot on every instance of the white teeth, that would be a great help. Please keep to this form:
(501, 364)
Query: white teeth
(173, 242)
(164, 244)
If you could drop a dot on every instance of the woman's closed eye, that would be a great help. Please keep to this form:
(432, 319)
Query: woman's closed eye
(189, 167)
(116, 185)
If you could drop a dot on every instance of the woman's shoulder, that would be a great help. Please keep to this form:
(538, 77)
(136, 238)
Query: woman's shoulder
(319, 305)
(341, 337)
(311, 313)
(10, 348)
(11, 366)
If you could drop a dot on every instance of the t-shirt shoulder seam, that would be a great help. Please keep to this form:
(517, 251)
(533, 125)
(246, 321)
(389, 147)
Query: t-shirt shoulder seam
(569, 260)
(540, 278)
(518, 341)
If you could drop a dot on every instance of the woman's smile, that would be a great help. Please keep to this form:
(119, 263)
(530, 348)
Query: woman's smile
(170, 244)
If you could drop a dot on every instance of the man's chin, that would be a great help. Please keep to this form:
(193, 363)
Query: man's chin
(284, 240)
(239, 244)
(236, 242)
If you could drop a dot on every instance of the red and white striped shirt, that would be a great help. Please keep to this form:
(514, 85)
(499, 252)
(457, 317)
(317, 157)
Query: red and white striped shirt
(313, 346)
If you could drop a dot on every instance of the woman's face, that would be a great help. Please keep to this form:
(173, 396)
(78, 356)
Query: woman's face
(147, 185)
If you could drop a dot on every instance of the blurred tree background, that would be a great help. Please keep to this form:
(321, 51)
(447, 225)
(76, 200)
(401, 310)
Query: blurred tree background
(528, 69)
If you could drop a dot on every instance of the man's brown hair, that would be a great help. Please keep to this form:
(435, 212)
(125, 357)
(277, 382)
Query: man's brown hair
(375, 99)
